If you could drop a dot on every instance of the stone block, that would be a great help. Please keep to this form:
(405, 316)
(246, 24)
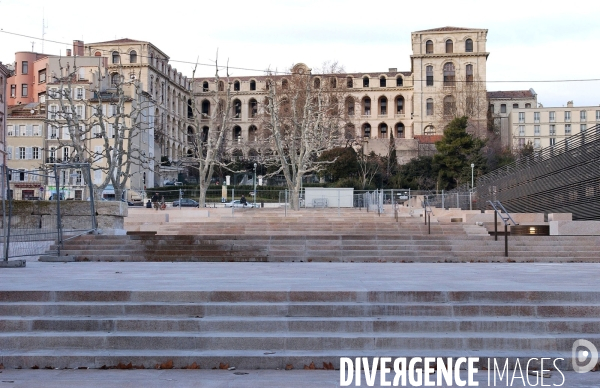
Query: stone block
(574, 228)
(560, 217)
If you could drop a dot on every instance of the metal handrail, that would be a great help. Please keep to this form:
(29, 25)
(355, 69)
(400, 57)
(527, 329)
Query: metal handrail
(497, 205)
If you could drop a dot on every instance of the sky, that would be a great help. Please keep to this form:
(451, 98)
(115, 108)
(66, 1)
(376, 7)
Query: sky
(541, 45)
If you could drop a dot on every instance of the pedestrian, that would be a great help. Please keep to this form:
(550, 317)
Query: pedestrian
(155, 200)
(243, 201)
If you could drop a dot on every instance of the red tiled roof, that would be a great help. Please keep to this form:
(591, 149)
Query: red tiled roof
(510, 94)
(448, 28)
(117, 41)
(428, 139)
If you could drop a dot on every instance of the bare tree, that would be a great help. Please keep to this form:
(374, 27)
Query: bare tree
(208, 148)
(102, 116)
(465, 96)
(303, 116)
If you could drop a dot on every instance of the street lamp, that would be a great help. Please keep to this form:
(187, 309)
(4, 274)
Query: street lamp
(254, 185)
(472, 166)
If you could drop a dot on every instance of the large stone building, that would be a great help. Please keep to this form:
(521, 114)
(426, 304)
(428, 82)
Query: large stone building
(446, 79)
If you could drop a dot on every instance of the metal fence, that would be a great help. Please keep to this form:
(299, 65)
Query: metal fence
(563, 178)
(31, 227)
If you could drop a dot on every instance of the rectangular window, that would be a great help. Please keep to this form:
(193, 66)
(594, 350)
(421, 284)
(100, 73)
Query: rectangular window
(79, 112)
(66, 154)
(24, 67)
(35, 153)
(567, 116)
(583, 115)
(582, 127)
(22, 130)
(13, 91)
(42, 76)
(552, 129)
(515, 106)
(24, 90)
(28, 153)
(552, 141)
(9, 130)
(568, 129)
(536, 117)
(521, 130)
(52, 132)
(29, 131)
(536, 130)
(52, 112)
(65, 133)
(97, 176)
(521, 143)
(36, 130)
(552, 116)
(537, 144)
(598, 115)
(429, 107)
(429, 73)
(21, 153)
(502, 108)
(79, 93)
(521, 117)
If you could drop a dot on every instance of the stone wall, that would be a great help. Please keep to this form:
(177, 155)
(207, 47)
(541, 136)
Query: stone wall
(75, 215)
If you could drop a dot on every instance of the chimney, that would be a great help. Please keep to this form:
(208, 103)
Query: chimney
(68, 52)
(570, 104)
(78, 48)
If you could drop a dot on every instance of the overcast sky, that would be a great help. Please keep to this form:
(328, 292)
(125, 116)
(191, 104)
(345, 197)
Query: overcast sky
(528, 40)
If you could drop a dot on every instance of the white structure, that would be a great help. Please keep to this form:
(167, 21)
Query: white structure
(326, 197)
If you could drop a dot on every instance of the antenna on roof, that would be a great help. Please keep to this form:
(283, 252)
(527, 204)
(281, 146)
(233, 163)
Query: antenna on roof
(44, 26)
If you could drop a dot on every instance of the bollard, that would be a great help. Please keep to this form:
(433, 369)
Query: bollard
(495, 226)
(505, 240)
(167, 217)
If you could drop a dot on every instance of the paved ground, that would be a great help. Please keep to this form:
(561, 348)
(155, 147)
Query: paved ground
(301, 276)
(277, 277)
(238, 379)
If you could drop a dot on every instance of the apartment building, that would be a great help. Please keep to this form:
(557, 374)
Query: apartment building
(545, 126)
(4, 74)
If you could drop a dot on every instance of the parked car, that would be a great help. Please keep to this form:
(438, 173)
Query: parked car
(186, 202)
(236, 203)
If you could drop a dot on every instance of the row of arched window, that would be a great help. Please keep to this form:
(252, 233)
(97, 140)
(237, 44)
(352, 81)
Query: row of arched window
(449, 74)
(449, 46)
(382, 131)
(366, 82)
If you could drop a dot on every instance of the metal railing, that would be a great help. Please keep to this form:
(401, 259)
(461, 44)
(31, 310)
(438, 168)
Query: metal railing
(499, 210)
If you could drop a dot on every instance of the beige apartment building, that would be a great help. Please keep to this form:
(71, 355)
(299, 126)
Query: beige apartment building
(545, 126)
(447, 77)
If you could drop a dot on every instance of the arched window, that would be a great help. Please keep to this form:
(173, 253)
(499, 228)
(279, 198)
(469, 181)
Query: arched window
(469, 46)
(115, 57)
(429, 73)
(429, 47)
(221, 86)
(383, 130)
(366, 106)
(115, 79)
(236, 86)
(237, 133)
(400, 131)
(190, 135)
(366, 129)
(132, 56)
(469, 74)
(205, 86)
(204, 134)
(429, 130)
(252, 85)
(449, 46)
(333, 82)
(429, 104)
(97, 54)
(205, 108)
(350, 106)
(399, 105)
(399, 81)
(382, 106)
(365, 82)
(253, 105)
(190, 110)
(382, 82)
(349, 82)
(449, 106)
(317, 83)
(284, 84)
(252, 133)
(449, 74)
(237, 109)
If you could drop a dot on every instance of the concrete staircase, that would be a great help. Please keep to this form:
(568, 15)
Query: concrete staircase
(279, 329)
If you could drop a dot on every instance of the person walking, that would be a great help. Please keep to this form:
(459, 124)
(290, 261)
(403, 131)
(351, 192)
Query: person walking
(243, 201)
(155, 200)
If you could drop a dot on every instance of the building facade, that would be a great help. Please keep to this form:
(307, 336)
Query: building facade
(4, 74)
(447, 79)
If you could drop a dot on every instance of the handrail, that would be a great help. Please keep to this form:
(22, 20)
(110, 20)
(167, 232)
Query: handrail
(498, 205)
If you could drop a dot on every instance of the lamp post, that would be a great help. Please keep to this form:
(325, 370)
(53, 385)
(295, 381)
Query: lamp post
(254, 185)
(472, 166)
